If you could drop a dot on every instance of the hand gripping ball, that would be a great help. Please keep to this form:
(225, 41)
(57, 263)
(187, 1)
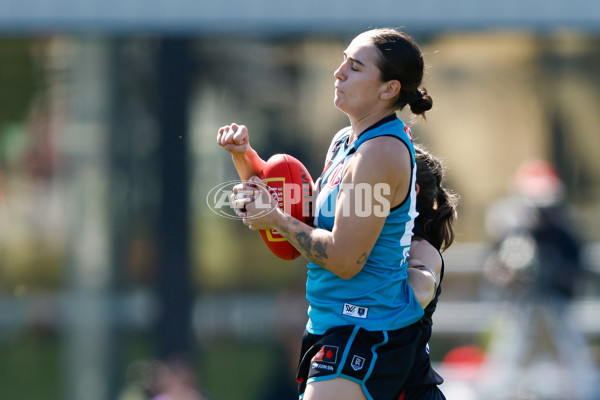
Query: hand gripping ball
(291, 186)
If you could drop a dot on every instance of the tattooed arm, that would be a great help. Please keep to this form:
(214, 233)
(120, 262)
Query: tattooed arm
(318, 246)
(344, 250)
(311, 243)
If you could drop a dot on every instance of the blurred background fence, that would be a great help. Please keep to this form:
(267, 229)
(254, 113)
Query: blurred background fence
(116, 279)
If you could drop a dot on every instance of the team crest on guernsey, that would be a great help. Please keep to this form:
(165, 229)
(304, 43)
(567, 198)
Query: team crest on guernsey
(357, 363)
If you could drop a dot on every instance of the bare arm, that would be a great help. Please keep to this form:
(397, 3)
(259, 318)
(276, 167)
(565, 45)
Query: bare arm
(235, 139)
(346, 248)
(421, 281)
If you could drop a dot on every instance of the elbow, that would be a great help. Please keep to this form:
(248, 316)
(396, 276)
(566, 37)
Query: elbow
(423, 286)
(347, 268)
(425, 293)
(347, 274)
(429, 289)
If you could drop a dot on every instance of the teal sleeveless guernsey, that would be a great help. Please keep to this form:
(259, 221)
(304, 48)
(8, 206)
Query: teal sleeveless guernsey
(378, 297)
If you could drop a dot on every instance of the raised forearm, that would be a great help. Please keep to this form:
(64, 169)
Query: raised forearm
(248, 164)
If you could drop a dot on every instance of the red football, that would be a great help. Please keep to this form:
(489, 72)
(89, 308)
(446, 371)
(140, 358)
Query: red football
(291, 185)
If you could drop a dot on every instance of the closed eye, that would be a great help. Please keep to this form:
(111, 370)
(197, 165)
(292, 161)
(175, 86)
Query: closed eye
(355, 64)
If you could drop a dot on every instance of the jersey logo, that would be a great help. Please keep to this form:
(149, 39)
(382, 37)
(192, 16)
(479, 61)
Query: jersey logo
(355, 311)
(405, 254)
(357, 363)
(333, 154)
(408, 132)
(336, 176)
(327, 354)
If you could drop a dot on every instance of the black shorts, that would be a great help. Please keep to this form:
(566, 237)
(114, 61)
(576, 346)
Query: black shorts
(377, 360)
(428, 392)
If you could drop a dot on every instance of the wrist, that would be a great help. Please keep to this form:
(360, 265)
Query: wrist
(280, 219)
(248, 163)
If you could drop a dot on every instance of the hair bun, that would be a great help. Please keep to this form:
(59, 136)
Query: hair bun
(420, 102)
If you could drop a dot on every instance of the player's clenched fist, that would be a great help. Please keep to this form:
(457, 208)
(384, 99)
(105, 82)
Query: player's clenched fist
(234, 138)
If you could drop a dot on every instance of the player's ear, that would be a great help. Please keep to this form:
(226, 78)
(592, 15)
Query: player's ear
(390, 89)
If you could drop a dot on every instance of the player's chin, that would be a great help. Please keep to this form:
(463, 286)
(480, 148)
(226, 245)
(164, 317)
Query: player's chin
(341, 105)
(337, 102)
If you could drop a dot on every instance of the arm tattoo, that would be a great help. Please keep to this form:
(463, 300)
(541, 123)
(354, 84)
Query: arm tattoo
(313, 249)
(320, 249)
(362, 259)
(303, 239)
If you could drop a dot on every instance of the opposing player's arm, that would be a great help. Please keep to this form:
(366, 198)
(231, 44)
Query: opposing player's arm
(379, 165)
(424, 269)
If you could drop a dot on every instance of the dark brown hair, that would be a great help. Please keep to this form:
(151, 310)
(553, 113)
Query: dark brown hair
(435, 203)
(402, 60)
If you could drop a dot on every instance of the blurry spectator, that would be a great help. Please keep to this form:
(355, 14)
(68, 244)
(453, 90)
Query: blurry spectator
(536, 250)
(536, 261)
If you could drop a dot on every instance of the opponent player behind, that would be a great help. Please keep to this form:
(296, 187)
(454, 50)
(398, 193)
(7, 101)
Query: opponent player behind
(363, 330)
(433, 234)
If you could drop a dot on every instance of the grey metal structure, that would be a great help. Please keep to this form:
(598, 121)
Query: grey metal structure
(273, 16)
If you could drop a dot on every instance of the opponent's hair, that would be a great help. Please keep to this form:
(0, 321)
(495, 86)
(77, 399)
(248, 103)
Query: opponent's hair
(435, 203)
(401, 59)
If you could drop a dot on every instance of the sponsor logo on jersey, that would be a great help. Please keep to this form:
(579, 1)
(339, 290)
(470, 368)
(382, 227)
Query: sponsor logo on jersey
(327, 354)
(322, 366)
(355, 311)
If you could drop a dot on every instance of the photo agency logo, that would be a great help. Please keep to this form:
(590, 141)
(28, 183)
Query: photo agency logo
(292, 198)
(361, 200)
(220, 200)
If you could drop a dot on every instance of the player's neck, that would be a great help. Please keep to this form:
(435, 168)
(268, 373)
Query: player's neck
(360, 125)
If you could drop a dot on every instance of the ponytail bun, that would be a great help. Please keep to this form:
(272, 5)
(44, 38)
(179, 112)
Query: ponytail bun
(420, 102)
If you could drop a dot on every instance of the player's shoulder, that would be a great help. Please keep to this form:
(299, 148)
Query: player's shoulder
(385, 151)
